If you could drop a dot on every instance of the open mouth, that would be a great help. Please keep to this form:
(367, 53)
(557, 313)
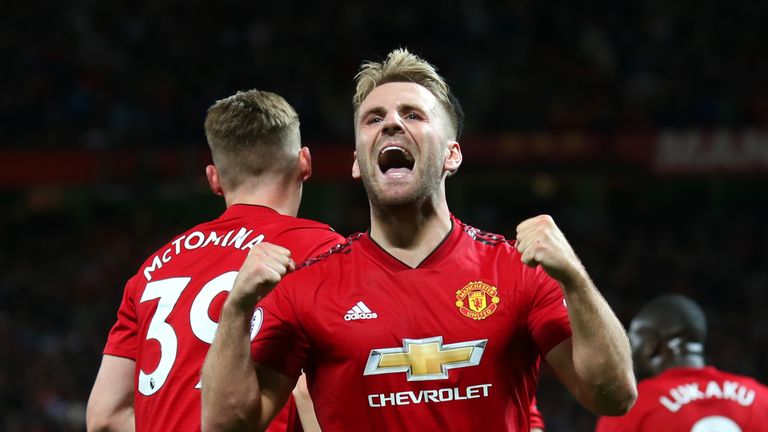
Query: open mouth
(395, 160)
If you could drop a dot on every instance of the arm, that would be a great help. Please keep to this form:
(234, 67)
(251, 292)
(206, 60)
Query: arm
(238, 394)
(110, 406)
(305, 407)
(595, 364)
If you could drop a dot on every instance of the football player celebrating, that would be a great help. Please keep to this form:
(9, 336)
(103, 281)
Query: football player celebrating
(424, 322)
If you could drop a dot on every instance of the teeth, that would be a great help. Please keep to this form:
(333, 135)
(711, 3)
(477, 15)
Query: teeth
(408, 155)
(395, 157)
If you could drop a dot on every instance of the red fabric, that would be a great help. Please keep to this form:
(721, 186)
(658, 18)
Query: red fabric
(694, 400)
(537, 421)
(320, 318)
(170, 307)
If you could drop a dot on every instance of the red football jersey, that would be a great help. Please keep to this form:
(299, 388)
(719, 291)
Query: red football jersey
(694, 400)
(171, 307)
(537, 421)
(451, 345)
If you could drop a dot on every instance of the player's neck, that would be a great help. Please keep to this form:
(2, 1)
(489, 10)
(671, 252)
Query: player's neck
(688, 361)
(410, 233)
(281, 197)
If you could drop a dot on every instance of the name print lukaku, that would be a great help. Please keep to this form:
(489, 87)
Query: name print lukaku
(682, 395)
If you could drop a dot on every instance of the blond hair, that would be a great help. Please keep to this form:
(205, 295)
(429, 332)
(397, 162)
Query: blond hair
(402, 66)
(250, 133)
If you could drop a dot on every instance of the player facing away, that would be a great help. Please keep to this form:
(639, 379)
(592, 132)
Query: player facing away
(678, 391)
(423, 323)
(151, 365)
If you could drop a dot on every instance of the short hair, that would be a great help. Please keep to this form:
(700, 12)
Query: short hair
(250, 133)
(676, 315)
(403, 66)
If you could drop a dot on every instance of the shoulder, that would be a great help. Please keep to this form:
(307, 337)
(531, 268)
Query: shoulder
(153, 258)
(483, 238)
(486, 243)
(306, 229)
(177, 242)
(316, 271)
(743, 379)
(268, 220)
(334, 255)
(306, 238)
(302, 224)
(495, 249)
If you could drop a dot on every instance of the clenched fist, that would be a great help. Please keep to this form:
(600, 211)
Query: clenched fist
(540, 242)
(264, 267)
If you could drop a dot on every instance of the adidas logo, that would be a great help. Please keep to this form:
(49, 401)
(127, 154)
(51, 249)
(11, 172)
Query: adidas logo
(358, 312)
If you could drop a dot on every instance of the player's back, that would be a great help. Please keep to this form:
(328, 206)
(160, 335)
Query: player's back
(695, 400)
(170, 308)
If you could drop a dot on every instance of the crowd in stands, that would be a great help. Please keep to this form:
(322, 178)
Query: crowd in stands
(126, 74)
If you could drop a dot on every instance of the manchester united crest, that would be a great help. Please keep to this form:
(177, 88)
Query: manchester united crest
(477, 300)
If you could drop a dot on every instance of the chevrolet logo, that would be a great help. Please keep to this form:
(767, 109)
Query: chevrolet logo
(425, 359)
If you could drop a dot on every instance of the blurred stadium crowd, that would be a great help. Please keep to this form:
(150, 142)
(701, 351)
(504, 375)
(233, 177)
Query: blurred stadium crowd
(126, 75)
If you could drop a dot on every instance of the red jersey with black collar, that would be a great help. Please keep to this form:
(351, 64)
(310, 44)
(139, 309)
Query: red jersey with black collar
(452, 345)
(694, 400)
(171, 307)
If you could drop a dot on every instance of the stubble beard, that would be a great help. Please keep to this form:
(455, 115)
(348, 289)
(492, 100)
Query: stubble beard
(424, 188)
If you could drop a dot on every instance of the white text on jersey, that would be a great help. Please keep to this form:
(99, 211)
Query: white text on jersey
(359, 311)
(687, 393)
(197, 239)
(427, 396)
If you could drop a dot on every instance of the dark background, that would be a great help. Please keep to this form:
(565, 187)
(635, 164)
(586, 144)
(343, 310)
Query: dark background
(640, 126)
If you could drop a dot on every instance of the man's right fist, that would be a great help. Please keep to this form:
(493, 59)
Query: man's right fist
(264, 267)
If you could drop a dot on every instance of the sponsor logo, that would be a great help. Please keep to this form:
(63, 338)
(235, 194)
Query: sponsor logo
(359, 312)
(425, 359)
(428, 396)
(477, 300)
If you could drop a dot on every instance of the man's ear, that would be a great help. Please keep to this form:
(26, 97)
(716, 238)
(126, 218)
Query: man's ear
(212, 174)
(355, 168)
(453, 157)
(658, 353)
(305, 164)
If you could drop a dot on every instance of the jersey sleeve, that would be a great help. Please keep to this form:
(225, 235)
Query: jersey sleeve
(278, 341)
(548, 317)
(122, 340)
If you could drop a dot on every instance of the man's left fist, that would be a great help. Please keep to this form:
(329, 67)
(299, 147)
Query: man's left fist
(540, 242)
